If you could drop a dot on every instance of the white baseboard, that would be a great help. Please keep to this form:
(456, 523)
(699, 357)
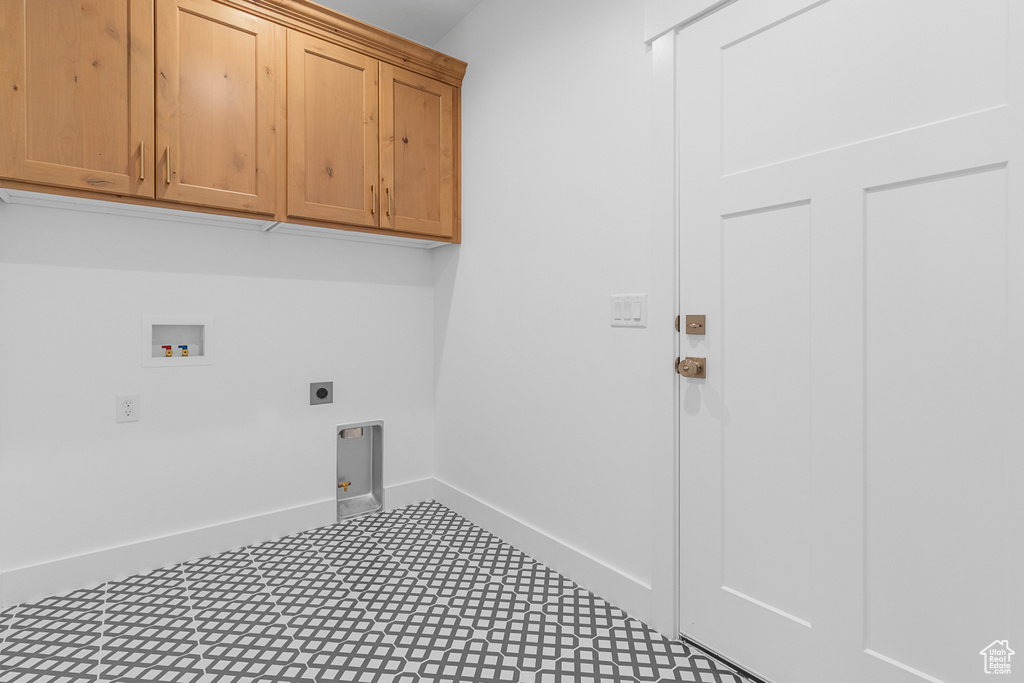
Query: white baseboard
(400, 495)
(27, 584)
(618, 588)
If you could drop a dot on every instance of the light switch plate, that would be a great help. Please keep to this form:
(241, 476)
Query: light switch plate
(629, 310)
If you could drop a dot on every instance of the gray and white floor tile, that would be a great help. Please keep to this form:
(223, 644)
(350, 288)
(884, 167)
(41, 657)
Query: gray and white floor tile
(414, 595)
(6, 615)
(588, 615)
(56, 639)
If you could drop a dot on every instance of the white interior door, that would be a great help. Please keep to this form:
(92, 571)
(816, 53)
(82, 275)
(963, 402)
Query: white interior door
(851, 226)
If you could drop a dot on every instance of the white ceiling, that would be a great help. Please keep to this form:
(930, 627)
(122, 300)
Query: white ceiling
(424, 21)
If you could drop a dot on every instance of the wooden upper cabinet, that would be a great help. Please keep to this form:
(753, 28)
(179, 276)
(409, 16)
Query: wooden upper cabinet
(76, 94)
(278, 110)
(332, 133)
(417, 158)
(215, 111)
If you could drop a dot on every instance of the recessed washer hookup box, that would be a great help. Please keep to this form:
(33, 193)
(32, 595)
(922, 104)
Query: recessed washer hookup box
(360, 468)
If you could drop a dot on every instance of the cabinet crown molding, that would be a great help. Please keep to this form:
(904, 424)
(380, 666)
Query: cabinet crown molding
(304, 15)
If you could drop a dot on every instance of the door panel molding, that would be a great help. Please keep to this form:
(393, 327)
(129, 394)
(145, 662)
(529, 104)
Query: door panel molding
(938, 171)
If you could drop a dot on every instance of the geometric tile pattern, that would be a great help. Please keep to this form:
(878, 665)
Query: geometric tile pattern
(532, 639)
(414, 595)
(588, 615)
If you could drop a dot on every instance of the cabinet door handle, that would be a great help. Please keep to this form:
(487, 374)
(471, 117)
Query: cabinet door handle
(373, 199)
(387, 191)
(142, 161)
(168, 164)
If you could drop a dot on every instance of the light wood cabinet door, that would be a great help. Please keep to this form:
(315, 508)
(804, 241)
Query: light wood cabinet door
(332, 132)
(76, 102)
(215, 123)
(417, 158)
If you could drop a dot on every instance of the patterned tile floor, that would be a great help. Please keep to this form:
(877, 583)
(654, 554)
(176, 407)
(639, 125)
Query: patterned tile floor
(418, 594)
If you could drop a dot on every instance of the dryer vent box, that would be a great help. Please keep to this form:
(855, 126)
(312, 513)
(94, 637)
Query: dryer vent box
(360, 469)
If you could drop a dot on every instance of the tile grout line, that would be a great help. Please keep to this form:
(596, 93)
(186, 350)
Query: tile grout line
(104, 640)
(475, 633)
(193, 622)
(496, 579)
(12, 619)
(587, 642)
(282, 618)
(583, 641)
(8, 625)
(103, 632)
(357, 595)
(372, 537)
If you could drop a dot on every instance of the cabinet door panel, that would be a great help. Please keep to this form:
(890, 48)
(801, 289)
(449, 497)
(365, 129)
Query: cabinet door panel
(215, 106)
(78, 94)
(417, 153)
(332, 132)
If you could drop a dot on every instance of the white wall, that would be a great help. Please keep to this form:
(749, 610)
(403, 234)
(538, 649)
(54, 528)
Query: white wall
(497, 356)
(663, 15)
(216, 443)
(543, 410)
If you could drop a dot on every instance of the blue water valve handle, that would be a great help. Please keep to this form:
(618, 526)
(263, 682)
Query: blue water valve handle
(184, 349)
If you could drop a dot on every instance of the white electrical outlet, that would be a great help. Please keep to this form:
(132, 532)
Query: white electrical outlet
(128, 408)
